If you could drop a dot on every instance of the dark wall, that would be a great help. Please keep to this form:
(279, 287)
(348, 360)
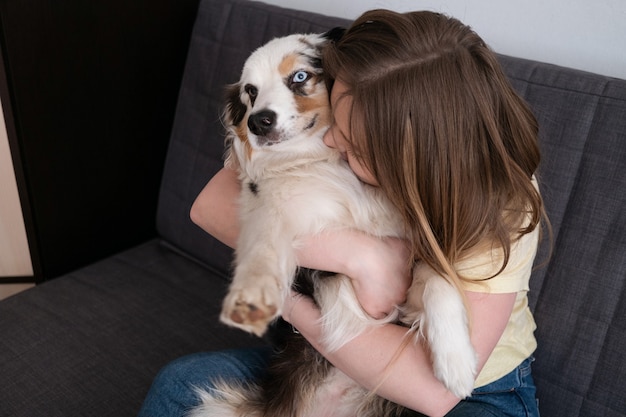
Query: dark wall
(89, 89)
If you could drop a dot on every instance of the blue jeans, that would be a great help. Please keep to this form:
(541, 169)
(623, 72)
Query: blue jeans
(512, 395)
(173, 390)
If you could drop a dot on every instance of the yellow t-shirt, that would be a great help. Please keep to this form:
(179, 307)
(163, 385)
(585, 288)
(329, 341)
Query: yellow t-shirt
(518, 341)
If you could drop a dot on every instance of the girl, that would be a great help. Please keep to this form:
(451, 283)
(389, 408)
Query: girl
(423, 110)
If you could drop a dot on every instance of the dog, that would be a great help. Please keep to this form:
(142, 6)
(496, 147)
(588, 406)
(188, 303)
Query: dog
(293, 185)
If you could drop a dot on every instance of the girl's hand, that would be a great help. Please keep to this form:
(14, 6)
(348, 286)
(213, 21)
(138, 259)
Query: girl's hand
(290, 302)
(379, 268)
(382, 275)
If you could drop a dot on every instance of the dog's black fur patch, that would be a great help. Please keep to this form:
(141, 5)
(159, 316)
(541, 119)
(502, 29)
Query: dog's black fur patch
(253, 187)
(234, 106)
(335, 33)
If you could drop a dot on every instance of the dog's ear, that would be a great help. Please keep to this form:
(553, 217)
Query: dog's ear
(235, 109)
(334, 34)
(234, 113)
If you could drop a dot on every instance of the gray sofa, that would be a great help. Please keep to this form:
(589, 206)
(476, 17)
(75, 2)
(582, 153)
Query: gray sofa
(89, 343)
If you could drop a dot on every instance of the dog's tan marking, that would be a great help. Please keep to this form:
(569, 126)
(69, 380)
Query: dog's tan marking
(242, 132)
(287, 65)
(315, 103)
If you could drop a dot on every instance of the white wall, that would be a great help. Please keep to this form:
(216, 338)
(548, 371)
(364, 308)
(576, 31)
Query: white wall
(583, 34)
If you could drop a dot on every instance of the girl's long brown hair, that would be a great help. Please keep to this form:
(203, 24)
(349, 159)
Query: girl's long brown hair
(448, 139)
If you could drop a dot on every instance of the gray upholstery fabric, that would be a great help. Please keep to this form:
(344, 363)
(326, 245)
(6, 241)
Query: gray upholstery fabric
(580, 297)
(90, 343)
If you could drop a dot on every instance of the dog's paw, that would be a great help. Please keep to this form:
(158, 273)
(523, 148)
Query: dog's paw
(444, 324)
(252, 308)
(455, 366)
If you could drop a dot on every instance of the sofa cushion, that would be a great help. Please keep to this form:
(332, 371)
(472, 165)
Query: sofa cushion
(91, 342)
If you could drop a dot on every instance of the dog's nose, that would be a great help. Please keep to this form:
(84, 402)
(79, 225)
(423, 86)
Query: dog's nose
(262, 123)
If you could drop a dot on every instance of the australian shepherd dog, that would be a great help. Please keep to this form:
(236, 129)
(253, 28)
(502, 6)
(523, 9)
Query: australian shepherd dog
(293, 185)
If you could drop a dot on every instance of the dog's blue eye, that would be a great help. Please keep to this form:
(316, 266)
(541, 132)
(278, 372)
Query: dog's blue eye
(300, 77)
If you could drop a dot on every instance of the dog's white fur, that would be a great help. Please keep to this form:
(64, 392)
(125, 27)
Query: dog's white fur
(292, 186)
(339, 396)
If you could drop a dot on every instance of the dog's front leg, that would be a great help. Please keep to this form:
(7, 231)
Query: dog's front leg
(264, 270)
(437, 309)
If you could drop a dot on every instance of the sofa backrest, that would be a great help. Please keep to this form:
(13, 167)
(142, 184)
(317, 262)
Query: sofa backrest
(578, 297)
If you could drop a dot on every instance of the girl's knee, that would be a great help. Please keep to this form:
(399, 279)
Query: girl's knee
(174, 389)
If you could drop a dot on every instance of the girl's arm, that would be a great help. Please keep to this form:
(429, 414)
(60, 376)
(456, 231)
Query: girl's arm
(350, 252)
(215, 209)
(407, 378)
